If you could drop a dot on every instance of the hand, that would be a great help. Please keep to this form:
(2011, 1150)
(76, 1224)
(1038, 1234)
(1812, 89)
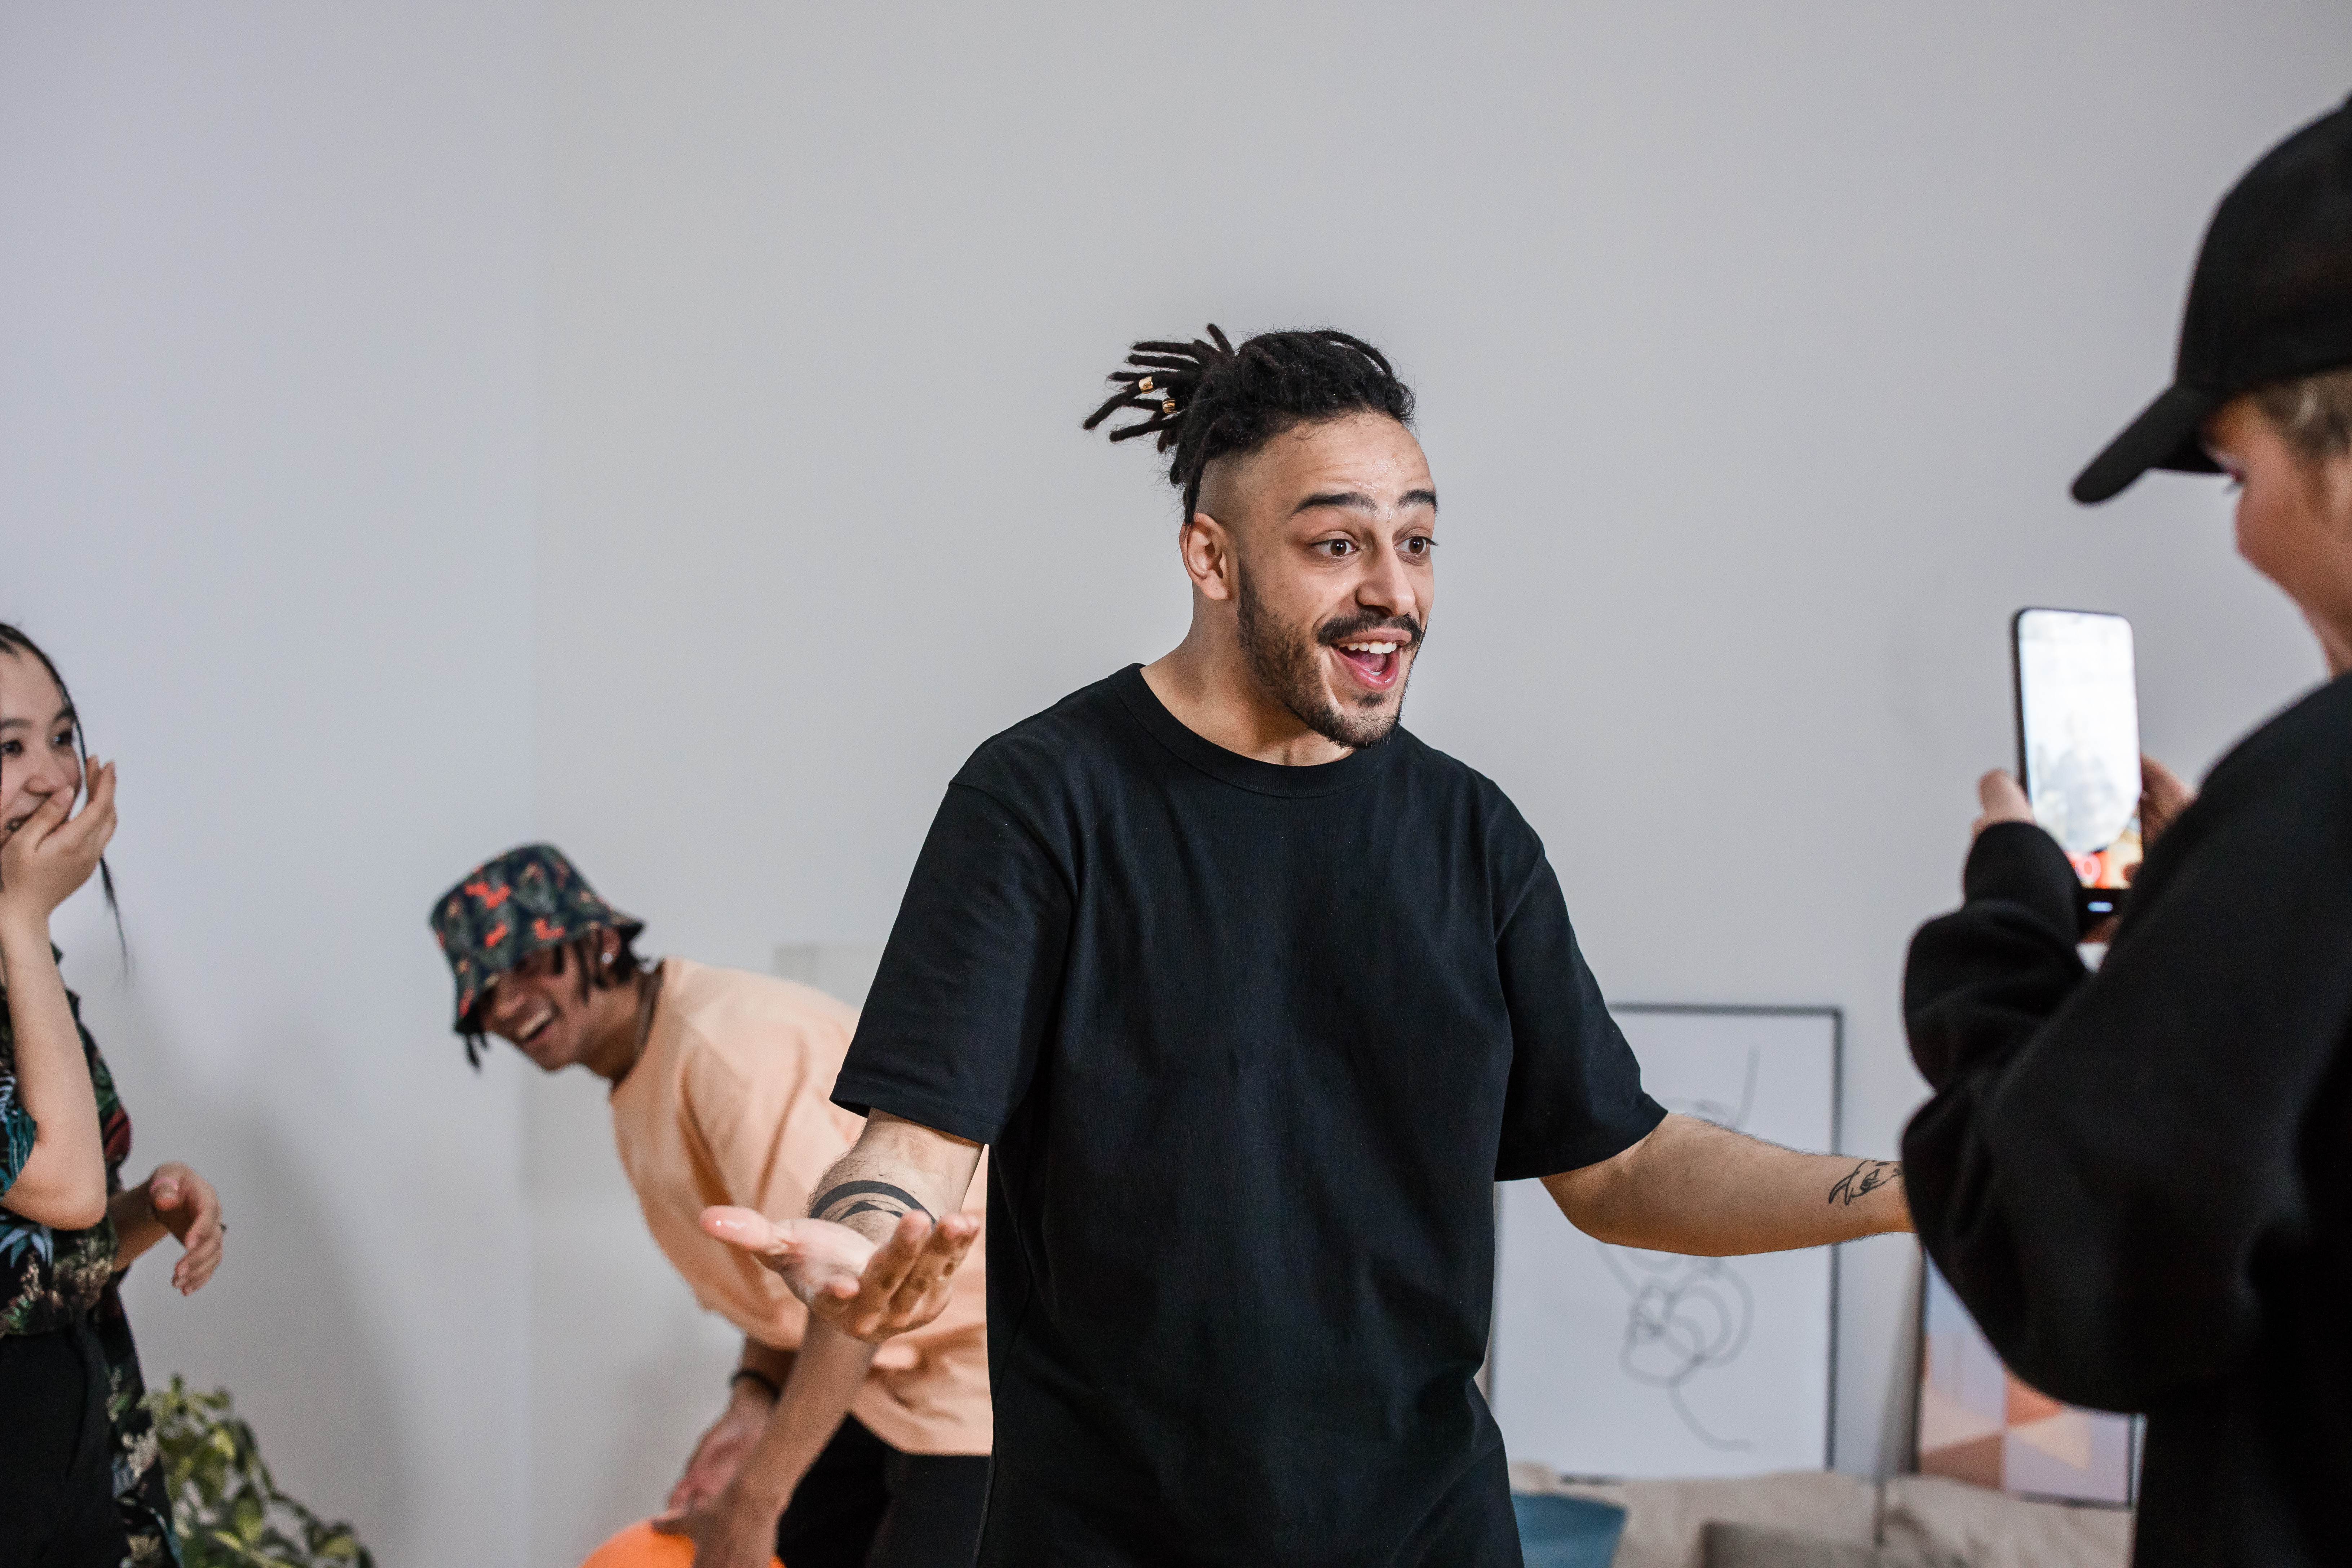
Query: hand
(2003, 801)
(731, 1530)
(48, 857)
(867, 1292)
(2162, 798)
(719, 1454)
(187, 1206)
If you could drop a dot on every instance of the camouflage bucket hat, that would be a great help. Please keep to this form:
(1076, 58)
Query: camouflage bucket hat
(525, 901)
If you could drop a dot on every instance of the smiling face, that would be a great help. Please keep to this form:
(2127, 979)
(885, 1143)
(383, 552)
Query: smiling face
(544, 1007)
(38, 757)
(2295, 519)
(1332, 533)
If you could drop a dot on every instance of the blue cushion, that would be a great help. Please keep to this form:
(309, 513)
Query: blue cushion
(1566, 1532)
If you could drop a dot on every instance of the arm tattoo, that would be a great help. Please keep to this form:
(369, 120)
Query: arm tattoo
(1865, 1178)
(864, 1192)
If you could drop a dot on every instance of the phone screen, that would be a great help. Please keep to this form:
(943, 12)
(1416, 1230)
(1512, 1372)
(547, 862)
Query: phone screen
(2078, 737)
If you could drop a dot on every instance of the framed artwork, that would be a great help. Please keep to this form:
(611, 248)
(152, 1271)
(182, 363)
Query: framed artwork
(1979, 1421)
(1611, 1361)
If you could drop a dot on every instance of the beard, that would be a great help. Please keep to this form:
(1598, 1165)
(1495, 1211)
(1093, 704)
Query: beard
(1287, 660)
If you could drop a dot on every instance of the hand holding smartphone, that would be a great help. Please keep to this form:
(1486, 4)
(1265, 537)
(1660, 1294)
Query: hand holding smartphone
(2078, 743)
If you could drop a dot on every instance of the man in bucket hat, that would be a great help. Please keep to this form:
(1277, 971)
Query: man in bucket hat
(2140, 1180)
(829, 1452)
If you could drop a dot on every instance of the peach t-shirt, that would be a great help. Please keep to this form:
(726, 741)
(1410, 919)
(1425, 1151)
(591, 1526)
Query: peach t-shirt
(730, 1105)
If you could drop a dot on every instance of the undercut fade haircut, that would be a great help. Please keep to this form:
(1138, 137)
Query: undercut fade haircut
(2313, 415)
(1207, 399)
(583, 953)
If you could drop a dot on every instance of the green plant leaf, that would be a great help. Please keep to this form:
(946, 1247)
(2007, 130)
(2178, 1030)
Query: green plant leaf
(224, 1502)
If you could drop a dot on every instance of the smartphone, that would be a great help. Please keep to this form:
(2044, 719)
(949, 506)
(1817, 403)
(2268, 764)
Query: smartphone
(2078, 744)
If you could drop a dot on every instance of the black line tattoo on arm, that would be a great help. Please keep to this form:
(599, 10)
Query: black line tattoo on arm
(1866, 1178)
(864, 1192)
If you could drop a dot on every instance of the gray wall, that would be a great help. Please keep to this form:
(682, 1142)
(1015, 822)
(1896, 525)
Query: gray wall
(266, 453)
(1756, 347)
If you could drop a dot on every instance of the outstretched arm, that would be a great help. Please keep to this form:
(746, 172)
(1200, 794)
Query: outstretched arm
(879, 1253)
(1694, 1187)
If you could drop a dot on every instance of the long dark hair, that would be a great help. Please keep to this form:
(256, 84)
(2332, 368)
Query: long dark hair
(13, 641)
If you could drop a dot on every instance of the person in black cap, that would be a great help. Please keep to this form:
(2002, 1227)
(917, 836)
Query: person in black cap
(2140, 1180)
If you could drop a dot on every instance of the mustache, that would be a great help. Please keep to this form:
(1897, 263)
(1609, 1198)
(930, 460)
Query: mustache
(1340, 628)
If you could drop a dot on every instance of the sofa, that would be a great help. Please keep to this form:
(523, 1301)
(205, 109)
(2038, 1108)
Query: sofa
(1819, 1519)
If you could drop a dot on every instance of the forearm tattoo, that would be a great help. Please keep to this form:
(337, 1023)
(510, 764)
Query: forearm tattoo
(838, 1204)
(1866, 1178)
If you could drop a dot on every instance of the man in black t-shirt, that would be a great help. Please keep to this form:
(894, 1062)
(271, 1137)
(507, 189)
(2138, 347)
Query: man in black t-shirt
(1255, 996)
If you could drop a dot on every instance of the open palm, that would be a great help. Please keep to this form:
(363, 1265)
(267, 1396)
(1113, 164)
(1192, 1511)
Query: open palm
(867, 1291)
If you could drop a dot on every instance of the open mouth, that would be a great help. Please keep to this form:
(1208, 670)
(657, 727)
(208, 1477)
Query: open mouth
(1373, 662)
(532, 1030)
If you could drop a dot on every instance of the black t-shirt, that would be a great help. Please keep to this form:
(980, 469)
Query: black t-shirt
(1251, 1044)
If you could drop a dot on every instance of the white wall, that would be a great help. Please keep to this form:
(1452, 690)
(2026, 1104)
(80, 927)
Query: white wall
(1755, 345)
(266, 450)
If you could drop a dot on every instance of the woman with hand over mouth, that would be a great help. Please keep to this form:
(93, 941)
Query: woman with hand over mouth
(80, 1481)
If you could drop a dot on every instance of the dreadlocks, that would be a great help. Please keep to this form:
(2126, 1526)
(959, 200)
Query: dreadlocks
(1207, 399)
(15, 642)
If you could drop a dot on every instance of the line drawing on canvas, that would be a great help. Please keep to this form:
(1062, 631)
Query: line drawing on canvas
(1686, 1314)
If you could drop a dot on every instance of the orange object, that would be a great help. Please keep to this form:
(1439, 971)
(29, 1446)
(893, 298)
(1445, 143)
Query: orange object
(642, 1546)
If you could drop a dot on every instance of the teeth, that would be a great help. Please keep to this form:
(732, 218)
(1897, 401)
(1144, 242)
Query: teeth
(1369, 647)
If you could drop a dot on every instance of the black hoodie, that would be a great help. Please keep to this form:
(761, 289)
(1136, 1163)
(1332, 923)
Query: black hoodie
(2140, 1181)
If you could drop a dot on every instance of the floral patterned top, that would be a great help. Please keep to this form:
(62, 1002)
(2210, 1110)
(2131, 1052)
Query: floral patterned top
(52, 1279)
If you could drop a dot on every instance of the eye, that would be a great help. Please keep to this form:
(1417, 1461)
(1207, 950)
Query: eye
(12, 748)
(1418, 546)
(64, 741)
(1334, 548)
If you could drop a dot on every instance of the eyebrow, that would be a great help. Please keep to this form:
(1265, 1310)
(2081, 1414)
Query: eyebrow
(64, 713)
(1355, 501)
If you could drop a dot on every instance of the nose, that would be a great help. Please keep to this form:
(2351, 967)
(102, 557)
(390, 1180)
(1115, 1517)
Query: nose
(45, 779)
(55, 774)
(505, 1002)
(1386, 586)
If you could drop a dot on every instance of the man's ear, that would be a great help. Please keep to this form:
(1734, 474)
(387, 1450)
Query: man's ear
(1207, 547)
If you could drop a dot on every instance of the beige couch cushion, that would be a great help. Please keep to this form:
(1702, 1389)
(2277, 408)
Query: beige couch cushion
(1990, 1529)
(1755, 1546)
(1663, 1519)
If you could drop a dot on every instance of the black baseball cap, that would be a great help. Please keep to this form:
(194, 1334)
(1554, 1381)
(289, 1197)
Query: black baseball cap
(2270, 302)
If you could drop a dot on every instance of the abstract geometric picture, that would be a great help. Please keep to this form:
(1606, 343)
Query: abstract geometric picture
(1979, 1422)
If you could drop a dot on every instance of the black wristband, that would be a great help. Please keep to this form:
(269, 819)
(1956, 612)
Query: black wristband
(775, 1390)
